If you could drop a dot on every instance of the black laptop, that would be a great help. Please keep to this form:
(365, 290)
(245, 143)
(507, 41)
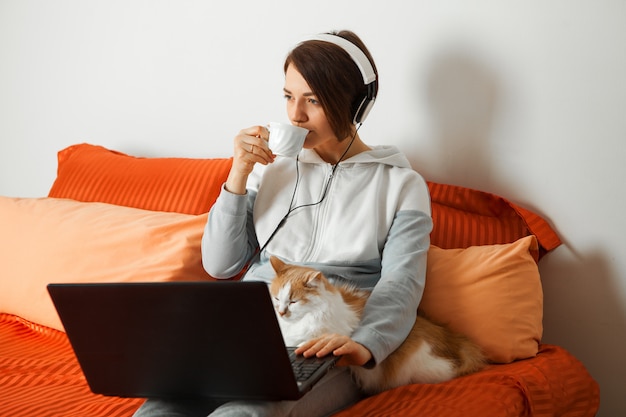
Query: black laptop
(214, 340)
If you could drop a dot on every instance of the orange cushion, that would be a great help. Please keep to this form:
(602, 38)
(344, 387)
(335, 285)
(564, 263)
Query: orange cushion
(490, 293)
(40, 372)
(59, 240)
(464, 217)
(93, 173)
(41, 376)
(552, 384)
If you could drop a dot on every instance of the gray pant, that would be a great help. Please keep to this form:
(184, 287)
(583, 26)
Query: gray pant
(334, 392)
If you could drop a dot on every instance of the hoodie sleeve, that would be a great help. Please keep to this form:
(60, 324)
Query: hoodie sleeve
(391, 309)
(229, 240)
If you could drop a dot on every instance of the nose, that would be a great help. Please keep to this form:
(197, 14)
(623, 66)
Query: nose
(297, 112)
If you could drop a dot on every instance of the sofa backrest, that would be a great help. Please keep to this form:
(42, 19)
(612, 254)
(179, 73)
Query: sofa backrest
(462, 216)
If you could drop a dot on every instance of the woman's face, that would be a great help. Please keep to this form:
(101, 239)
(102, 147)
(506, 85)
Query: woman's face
(304, 110)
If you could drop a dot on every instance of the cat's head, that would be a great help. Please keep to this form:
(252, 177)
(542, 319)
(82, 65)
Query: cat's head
(297, 290)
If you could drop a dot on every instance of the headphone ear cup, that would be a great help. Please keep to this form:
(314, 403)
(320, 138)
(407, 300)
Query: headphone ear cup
(363, 110)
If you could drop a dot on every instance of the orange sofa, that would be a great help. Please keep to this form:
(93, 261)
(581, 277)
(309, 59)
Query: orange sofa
(115, 217)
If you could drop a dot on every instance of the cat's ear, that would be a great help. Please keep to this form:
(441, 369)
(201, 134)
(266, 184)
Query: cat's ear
(315, 279)
(277, 264)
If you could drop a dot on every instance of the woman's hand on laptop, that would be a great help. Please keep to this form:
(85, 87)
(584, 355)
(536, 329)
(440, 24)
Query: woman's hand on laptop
(351, 352)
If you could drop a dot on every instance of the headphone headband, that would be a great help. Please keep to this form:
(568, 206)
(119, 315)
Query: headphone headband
(365, 67)
(357, 55)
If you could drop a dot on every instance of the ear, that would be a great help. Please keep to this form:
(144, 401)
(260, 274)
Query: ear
(315, 279)
(277, 264)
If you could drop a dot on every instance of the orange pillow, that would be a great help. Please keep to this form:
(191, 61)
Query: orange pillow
(184, 185)
(57, 240)
(491, 293)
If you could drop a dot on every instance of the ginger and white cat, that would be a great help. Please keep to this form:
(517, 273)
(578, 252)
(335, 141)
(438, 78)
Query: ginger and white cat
(308, 305)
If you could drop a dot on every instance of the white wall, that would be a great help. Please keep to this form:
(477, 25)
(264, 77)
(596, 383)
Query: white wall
(521, 98)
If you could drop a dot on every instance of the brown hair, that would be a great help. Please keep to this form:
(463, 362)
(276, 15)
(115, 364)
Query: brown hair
(334, 78)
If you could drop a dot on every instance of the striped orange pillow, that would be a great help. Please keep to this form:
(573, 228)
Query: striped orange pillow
(92, 173)
(463, 217)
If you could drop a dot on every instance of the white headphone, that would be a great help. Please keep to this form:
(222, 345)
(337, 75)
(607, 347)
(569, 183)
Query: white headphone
(366, 68)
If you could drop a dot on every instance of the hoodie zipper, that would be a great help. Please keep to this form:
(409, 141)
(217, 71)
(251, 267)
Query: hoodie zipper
(320, 215)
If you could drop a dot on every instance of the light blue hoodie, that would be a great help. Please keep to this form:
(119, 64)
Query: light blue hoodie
(369, 224)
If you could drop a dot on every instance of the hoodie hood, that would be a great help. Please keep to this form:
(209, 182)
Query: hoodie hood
(387, 154)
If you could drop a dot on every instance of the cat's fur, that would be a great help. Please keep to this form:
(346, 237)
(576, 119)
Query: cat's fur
(308, 305)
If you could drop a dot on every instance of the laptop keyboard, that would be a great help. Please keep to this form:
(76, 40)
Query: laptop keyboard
(303, 367)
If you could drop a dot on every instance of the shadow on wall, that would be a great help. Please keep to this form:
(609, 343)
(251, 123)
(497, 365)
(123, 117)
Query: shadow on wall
(583, 313)
(462, 97)
(582, 310)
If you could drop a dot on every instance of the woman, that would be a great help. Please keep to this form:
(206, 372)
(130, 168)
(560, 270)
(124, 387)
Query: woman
(341, 206)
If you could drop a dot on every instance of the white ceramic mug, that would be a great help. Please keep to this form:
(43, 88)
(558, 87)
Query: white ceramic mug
(286, 139)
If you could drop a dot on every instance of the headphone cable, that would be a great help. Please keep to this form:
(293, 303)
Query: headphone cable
(293, 197)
